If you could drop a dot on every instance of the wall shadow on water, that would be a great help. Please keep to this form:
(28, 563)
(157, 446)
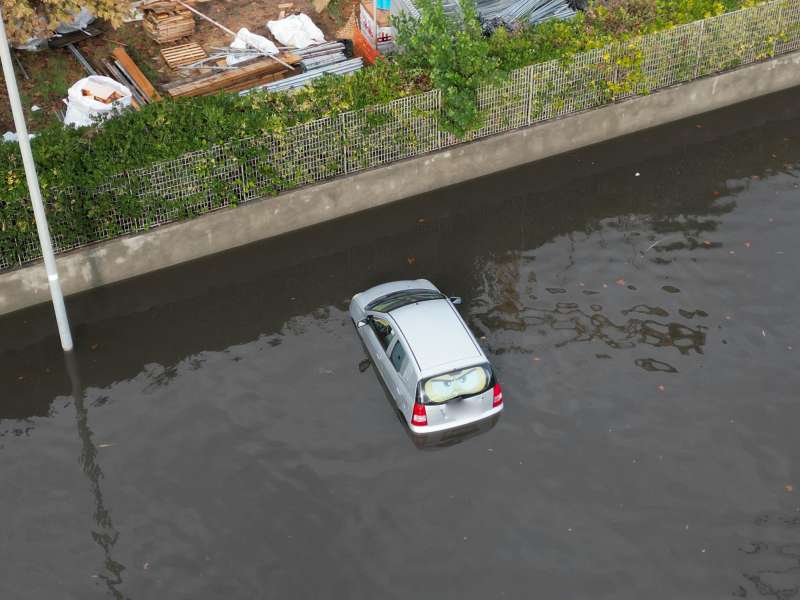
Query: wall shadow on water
(239, 295)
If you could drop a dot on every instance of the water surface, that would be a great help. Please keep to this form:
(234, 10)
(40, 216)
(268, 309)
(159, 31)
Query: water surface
(215, 438)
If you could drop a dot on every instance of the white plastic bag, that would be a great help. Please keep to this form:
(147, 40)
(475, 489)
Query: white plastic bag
(85, 110)
(11, 136)
(81, 21)
(296, 31)
(246, 39)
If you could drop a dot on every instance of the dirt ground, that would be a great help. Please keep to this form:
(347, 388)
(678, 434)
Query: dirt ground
(51, 72)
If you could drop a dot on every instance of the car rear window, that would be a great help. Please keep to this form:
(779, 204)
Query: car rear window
(390, 302)
(464, 382)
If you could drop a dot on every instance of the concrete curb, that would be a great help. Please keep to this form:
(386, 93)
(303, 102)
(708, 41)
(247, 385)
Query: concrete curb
(127, 257)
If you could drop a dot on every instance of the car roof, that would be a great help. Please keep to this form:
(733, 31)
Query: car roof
(436, 335)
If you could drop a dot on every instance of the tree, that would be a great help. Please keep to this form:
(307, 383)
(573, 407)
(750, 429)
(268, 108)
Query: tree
(453, 52)
(38, 18)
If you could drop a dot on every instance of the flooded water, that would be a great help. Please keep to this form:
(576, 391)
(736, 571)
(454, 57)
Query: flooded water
(215, 438)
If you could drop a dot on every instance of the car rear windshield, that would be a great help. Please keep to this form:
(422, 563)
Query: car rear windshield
(456, 384)
(394, 300)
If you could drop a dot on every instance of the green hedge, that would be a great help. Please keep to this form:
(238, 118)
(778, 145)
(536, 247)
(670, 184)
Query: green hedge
(73, 164)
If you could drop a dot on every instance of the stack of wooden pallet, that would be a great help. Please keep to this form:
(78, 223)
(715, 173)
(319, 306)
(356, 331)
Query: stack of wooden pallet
(166, 21)
(235, 79)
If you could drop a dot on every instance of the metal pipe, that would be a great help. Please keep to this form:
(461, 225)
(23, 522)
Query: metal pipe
(36, 194)
(80, 58)
(21, 68)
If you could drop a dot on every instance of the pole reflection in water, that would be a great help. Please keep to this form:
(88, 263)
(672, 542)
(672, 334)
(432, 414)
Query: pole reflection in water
(104, 534)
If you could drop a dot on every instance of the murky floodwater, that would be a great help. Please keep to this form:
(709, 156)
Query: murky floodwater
(216, 438)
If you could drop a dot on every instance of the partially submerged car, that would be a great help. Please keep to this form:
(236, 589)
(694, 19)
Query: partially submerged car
(426, 355)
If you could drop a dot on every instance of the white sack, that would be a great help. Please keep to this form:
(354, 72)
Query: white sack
(296, 31)
(85, 110)
(246, 39)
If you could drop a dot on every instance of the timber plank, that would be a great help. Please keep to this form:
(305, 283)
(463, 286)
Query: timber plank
(229, 79)
(136, 74)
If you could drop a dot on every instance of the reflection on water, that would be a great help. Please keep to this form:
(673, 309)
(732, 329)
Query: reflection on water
(568, 323)
(104, 534)
(642, 328)
(773, 567)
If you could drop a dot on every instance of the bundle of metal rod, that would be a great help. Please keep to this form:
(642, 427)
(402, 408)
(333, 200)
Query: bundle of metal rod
(508, 11)
(532, 11)
(319, 49)
(341, 68)
(407, 7)
(315, 62)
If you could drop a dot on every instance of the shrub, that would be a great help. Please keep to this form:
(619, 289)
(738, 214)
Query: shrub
(454, 54)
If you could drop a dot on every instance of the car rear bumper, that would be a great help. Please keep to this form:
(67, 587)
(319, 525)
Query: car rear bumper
(422, 430)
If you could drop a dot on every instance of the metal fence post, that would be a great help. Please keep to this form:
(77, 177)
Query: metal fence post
(530, 94)
(779, 29)
(699, 48)
(343, 139)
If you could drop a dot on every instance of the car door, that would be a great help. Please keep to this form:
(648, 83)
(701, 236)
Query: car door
(378, 335)
(400, 364)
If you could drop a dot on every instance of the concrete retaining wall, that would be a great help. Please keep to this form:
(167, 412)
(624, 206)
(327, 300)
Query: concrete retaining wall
(173, 244)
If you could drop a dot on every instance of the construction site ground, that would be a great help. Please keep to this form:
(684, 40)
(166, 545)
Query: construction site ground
(53, 71)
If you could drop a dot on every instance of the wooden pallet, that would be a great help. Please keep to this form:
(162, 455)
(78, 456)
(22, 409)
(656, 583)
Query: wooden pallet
(167, 21)
(185, 54)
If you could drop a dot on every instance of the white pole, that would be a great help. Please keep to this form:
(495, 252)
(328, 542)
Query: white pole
(35, 192)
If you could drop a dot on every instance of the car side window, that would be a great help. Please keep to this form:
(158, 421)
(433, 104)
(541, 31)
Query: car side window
(398, 356)
(383, 331)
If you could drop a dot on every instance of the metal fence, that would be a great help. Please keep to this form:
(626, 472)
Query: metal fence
(244, 170)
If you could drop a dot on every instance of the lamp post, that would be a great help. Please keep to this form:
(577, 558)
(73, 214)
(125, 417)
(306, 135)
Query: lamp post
(35, 193)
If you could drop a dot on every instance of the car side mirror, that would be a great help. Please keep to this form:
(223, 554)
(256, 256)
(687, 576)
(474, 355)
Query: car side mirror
(365, 321)
(456, 300)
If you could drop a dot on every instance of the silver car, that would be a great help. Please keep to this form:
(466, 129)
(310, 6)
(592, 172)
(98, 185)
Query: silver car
(430, 362)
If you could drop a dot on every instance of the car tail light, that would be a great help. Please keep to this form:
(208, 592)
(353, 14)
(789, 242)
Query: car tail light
(420, 417)
(498, 395)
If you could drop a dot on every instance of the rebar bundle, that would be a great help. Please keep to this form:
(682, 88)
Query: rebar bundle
(340, 68)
